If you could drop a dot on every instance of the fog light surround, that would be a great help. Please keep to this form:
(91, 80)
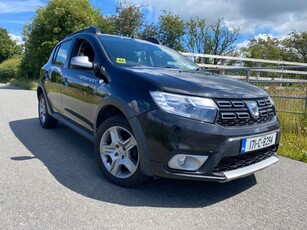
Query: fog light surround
(187, 162)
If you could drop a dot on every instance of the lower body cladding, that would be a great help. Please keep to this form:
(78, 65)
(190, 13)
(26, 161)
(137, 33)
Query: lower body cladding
(182, 148)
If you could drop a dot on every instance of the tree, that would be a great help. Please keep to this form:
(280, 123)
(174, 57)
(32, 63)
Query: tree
(8, 47)
(149, 30)
(128, 19)
(171, 31)
(264, 48)
(296, 44)
(221, 39)
(197, 33)
(50, 25)
(293, 48)
(211, 38)
(106, 26)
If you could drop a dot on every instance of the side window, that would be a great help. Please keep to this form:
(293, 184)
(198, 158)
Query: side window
(62, 53)
(84, 48)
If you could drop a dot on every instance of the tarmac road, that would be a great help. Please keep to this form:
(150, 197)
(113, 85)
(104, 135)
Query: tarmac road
(49, 180)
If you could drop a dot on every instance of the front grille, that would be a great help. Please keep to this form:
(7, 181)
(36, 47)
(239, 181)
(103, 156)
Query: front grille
(240, 161)
(236, 113)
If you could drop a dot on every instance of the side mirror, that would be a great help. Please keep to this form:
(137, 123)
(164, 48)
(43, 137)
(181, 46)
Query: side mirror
(81, 62)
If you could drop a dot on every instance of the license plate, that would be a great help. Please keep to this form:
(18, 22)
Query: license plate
(259, 142)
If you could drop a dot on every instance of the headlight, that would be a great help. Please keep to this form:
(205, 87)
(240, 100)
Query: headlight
(202, 109)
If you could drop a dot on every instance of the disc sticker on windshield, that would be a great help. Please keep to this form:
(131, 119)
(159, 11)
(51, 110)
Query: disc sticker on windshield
(121, 60)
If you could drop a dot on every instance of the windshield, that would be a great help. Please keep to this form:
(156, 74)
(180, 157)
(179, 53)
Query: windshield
(134, 52)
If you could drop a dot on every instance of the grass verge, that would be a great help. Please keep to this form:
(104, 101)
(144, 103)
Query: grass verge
(23, 83)
(293, 143)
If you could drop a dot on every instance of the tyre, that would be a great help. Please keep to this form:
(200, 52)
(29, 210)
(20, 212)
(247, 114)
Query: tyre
(117, 152)
(45, 119)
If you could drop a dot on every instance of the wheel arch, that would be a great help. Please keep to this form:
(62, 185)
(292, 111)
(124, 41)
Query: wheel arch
(105, 113)
(110, 106)
(39, 91)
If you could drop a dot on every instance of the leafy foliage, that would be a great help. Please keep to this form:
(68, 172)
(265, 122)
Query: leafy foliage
(264, 48)
(197, 34)
(213, 38)
(221, 39)
(268, 48)
(296, 44)
(293, 48)
(9, 69)
(149, 30)
(8, 47)
(50, 25)
(106, 25)
(128, 19)
(171, 30)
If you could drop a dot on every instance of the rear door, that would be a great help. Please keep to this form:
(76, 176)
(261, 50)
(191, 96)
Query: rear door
(55, 79)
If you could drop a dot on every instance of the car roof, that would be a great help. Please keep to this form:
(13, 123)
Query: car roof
(96, 32)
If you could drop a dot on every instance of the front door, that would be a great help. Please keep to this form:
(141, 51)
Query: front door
(80, 87)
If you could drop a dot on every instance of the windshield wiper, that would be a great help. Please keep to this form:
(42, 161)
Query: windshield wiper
(189, 70)
(167, 66)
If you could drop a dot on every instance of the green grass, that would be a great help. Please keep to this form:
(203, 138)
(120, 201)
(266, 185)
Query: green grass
(23, 83)
(293, 143)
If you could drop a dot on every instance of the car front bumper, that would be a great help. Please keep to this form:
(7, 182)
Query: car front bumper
(167, 135)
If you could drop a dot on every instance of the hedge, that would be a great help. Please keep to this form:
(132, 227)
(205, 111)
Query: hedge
(9, 69)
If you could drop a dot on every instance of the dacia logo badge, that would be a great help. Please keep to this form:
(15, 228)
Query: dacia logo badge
(253, 109)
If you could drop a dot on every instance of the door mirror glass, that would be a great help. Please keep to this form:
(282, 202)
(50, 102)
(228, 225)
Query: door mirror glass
(81, 62)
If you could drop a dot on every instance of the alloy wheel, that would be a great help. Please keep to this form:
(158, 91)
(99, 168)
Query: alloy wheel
(119, 152)
(42, 110)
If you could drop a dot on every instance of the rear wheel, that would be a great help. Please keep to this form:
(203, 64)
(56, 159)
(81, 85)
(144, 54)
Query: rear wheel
(45, 119)
(117, 152)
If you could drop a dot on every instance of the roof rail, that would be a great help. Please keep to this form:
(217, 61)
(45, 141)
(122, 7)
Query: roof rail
(152, 40)
(91, 29)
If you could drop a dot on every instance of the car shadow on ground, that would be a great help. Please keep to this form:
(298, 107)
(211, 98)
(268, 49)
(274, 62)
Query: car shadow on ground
(70, 159)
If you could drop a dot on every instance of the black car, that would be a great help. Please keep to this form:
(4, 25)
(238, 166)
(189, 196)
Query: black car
(152, 112)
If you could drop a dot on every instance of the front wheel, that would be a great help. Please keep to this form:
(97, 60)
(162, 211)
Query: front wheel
(117, 152)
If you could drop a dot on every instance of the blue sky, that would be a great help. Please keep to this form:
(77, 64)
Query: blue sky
(254, 18)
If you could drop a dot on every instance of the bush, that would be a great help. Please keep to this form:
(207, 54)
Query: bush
(49, 26)
(9, 69)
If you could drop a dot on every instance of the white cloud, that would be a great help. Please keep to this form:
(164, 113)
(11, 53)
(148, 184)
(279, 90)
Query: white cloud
(277, 16)
(242, 44)
(19, 6)
(16, 38)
